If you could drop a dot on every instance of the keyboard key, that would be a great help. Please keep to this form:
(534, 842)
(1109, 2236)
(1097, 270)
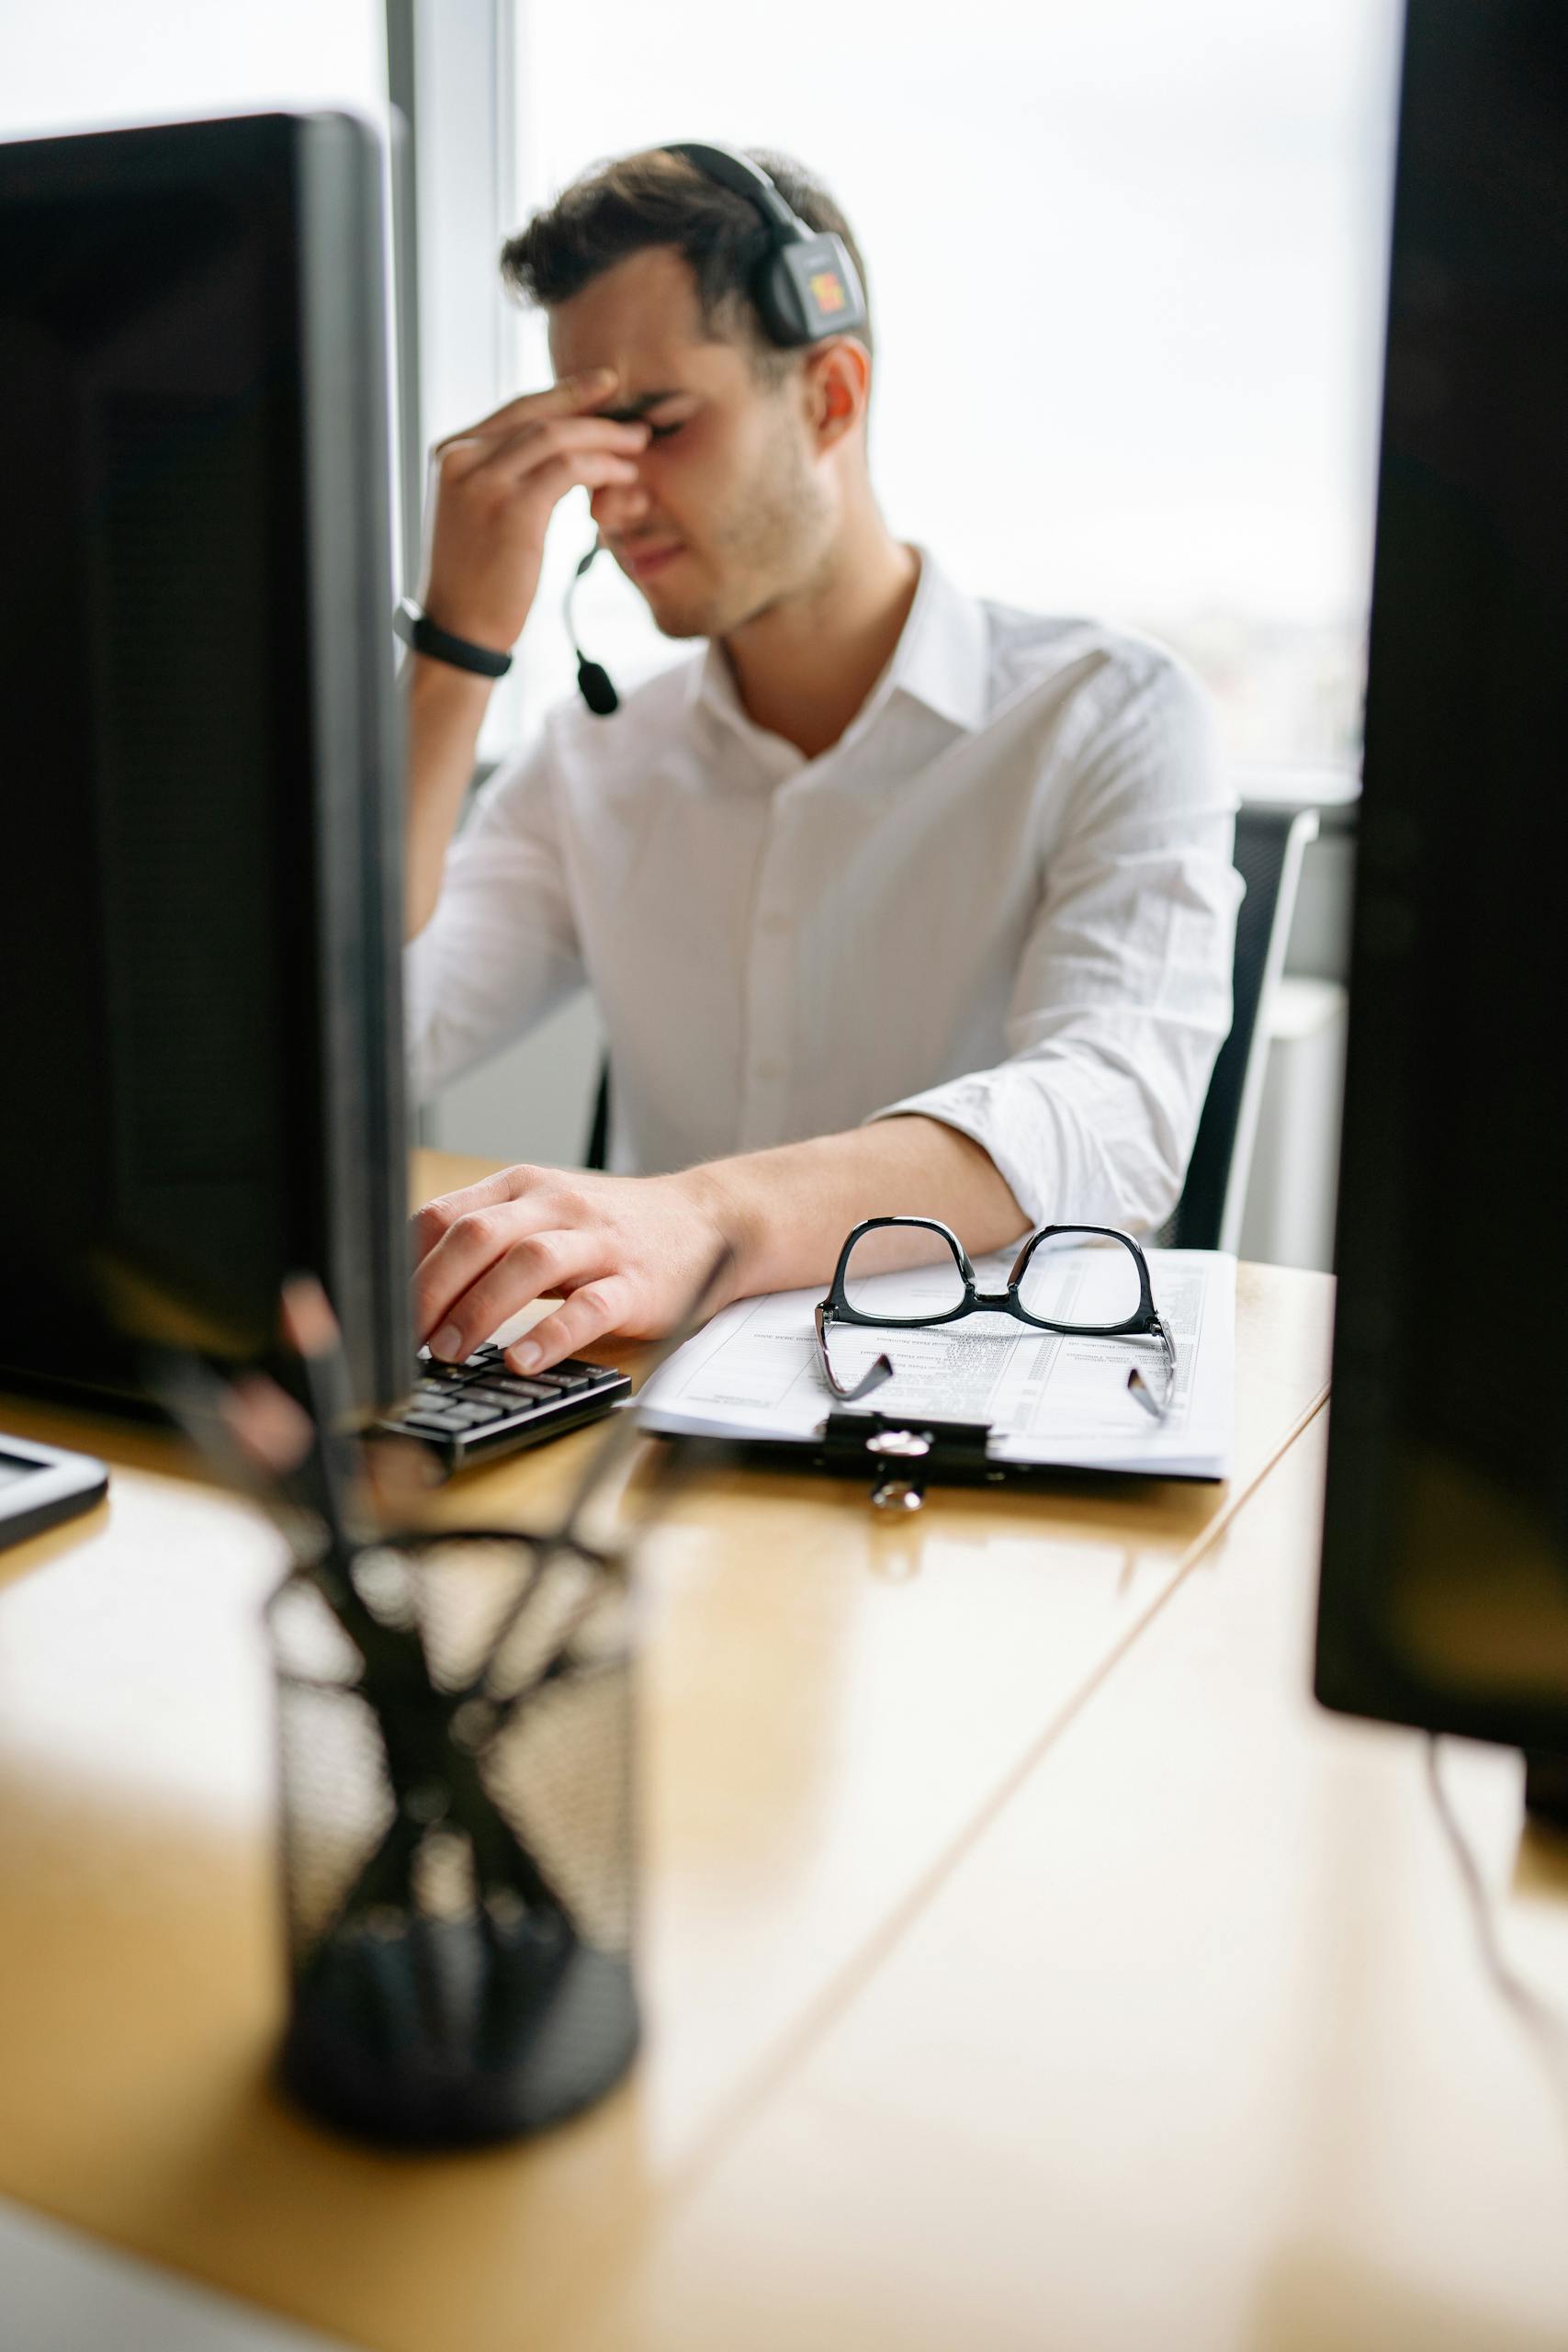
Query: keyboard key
(520, 1392)
(477, 1411)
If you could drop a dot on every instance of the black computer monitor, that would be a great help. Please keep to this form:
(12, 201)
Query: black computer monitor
(200, 863)
(1444, 1594)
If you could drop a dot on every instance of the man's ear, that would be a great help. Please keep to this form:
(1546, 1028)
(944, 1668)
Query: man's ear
(838, 387)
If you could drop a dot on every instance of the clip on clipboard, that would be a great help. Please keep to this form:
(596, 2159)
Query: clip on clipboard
(900, 1453)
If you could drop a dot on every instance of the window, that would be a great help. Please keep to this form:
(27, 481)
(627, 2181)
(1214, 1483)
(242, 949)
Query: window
(94, 64)
(1127, 265)
(77, 64)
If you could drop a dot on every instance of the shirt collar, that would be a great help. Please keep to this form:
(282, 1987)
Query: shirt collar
(941, 657)
(940, 660)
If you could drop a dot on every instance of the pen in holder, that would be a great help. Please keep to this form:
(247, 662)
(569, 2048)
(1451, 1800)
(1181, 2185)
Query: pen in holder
(457, 1848)
(455, 1713)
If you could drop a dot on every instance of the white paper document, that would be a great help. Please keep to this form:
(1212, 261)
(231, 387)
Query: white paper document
(755, 1372)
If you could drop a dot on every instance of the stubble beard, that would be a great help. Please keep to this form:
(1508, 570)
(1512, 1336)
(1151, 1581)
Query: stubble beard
(776, 545)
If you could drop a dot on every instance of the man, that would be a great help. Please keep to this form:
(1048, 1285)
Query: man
(892, 902)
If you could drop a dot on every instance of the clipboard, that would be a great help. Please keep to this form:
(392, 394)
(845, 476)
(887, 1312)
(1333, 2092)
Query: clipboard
(902, 1454)
(748, 1387)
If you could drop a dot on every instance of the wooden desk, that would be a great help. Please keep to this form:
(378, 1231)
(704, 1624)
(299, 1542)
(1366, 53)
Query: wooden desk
(834, 1708)
(1191, 2049)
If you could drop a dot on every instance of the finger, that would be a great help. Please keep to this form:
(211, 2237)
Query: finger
(597, 1308)
(439, 1215)
(450, 459)
(540, 1265)
(528, 456)
(469, 1248)
(550, 483)
(532, 446)
(573, 396)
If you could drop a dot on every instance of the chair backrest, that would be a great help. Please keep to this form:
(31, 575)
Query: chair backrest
(1270, 845)
(596, 1151)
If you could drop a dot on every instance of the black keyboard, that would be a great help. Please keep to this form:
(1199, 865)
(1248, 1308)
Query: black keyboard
(475, 1410)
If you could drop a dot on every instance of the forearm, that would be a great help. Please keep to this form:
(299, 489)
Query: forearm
(787, 1210)
(445, 706)
(629, 1254)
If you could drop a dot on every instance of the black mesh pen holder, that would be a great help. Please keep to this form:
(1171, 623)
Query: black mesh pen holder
(456, 1736)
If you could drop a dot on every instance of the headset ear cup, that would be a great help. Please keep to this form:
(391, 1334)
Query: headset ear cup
(825, 285)
(806, 287)
(778, 302)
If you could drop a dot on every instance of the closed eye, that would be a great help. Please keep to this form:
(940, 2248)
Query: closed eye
(663, 432)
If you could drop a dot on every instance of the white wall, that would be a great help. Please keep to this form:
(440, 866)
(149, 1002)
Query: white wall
(74, 64)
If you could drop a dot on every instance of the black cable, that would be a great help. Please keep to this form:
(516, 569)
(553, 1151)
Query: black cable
(1544, 2025)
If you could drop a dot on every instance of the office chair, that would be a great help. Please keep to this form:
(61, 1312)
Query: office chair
(1270, 846)
(597, 1150)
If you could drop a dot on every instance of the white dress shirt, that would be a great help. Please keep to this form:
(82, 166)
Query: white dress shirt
(1004, 898)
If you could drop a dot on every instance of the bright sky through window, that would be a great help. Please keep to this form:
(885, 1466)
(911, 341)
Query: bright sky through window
(1127, 264)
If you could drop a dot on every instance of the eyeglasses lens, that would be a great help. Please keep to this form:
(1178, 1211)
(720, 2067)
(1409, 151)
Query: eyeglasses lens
(937, 1286)
(1082, 1279)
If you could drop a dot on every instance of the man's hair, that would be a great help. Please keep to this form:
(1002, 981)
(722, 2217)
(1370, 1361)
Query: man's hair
(628, 206)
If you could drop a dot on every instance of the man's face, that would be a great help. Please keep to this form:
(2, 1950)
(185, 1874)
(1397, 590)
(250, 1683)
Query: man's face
(733, 509)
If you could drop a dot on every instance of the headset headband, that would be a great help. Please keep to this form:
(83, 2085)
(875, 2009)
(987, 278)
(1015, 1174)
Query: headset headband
(744, 177)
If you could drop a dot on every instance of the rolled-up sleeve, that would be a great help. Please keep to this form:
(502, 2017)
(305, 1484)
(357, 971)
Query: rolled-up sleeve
(501, 950)
(1122, 997)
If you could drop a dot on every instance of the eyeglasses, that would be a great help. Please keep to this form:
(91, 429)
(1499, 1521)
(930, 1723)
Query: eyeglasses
(1080, 1280)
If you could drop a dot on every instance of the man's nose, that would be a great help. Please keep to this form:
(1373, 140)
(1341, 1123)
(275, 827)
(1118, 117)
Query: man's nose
(617, 507)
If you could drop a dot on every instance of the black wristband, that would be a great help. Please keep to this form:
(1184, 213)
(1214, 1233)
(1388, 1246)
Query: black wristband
(418, 631)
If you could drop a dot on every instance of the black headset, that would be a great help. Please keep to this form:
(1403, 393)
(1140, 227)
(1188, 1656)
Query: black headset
(806, 288)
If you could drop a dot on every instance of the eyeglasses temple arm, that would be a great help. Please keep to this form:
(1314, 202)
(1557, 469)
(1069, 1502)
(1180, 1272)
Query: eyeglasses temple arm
(880, 1371)
(1138, 1387)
